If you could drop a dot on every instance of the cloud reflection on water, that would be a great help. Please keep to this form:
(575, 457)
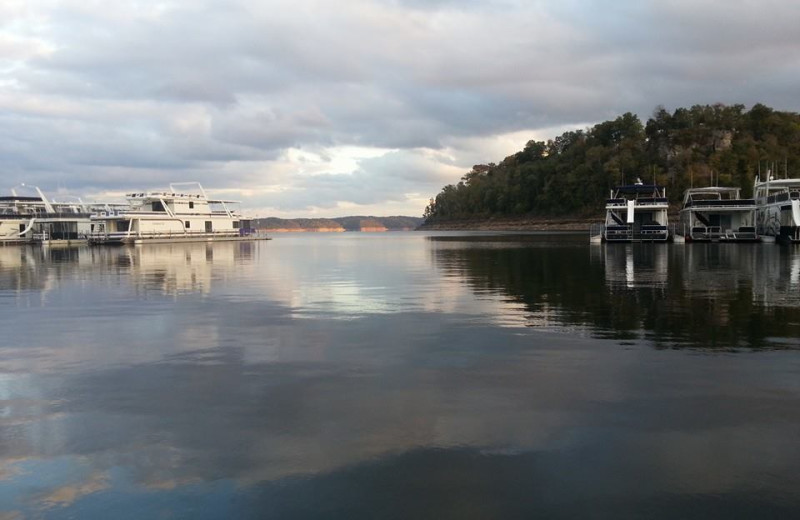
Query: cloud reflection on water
(186, 383)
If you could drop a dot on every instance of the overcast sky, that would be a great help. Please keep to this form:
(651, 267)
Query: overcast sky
(331, 108)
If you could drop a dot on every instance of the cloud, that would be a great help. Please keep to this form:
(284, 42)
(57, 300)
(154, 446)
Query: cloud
(393, 177)
(67, 495)
(129, 98)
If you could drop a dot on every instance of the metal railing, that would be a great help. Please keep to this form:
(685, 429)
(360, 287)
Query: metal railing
(631, 233)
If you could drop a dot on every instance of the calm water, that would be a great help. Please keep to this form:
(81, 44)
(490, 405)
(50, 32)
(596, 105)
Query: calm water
(400, 376)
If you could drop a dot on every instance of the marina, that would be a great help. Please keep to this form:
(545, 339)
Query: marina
(378, 302)
(147, 217)
(640, 213)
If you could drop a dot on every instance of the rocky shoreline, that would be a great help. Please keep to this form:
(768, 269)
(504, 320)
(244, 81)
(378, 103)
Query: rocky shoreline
(514, 224)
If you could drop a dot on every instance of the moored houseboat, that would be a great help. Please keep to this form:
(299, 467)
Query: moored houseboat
(717, 214)
(171, 216)
(636, 213)
(778, 213)
(33, 219)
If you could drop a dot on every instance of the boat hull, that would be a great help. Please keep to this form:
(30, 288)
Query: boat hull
(788, 235)
(690, 239)
(632, 236)
(132, 240)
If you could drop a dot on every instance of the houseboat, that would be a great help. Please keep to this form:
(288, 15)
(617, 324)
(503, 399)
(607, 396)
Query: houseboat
(37, 220)
(636, 213)
(717, 214)
(188, 215)
(778, 213)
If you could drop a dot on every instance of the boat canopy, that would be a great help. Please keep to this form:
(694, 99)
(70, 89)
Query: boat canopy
(638, 188)
(713, 189)
(17, 198)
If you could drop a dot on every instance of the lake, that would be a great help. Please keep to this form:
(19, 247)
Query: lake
(400, 375)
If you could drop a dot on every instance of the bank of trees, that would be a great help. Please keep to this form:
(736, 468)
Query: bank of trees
(572, 173)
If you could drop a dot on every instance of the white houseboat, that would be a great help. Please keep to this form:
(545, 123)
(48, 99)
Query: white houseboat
(636, 213)
(36, 220)
(778, 202)
(717, 214)
(171, 216)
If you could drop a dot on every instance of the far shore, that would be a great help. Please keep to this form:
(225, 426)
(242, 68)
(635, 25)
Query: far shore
(514, 224)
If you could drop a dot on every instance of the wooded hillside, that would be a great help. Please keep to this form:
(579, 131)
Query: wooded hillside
(572, 173)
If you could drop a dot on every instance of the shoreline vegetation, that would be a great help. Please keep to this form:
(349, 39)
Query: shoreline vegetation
(565, 181)
(521, 223)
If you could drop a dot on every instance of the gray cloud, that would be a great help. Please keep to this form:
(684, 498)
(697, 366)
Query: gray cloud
(219, 92)
(388, 178)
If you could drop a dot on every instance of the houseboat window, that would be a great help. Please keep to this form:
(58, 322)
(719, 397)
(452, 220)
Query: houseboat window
(208, 226)
(22, 228)
(187, 224)
(191, 205)
(235, 224)
(158, 206)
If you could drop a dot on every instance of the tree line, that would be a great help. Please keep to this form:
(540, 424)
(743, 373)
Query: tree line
(571, 174)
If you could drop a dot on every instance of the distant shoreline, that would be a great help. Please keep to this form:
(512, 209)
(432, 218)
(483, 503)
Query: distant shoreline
(368, 224)
(333, 230)
(514, 224)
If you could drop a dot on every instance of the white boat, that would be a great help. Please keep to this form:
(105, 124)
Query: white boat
(778, 215)
(717, 214)
(636, 213)
(37, 220)
(171, 216)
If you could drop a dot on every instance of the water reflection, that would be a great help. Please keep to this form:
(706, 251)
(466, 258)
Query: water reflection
(165, 268)
(701, 296)
(363, 377)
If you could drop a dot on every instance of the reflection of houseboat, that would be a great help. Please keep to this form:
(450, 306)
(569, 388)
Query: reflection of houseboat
(171, 216)
(180, 267)
(778, 208)
(716, 214)
(635, 266)
(36, 220)
(635, 213)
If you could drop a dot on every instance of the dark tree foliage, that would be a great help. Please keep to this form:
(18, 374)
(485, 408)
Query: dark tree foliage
(572, 173)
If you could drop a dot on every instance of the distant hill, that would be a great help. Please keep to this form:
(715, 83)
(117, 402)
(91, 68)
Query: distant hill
(355, 223)
(570, 175)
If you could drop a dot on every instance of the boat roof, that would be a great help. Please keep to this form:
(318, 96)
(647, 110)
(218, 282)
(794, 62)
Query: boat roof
(171, 195)
(638, 188)
(17, 198)
(780, 182)
(713, 189)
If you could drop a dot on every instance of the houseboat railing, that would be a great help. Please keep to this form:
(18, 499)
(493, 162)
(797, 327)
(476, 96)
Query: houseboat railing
(637, 232)
(623, 203)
